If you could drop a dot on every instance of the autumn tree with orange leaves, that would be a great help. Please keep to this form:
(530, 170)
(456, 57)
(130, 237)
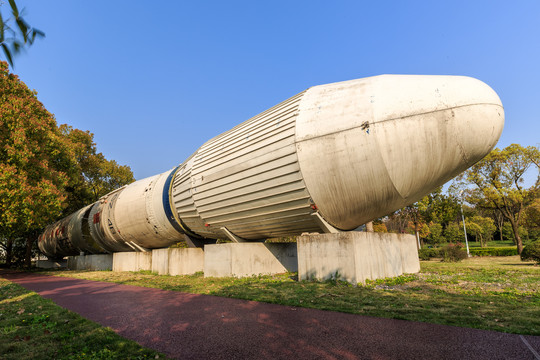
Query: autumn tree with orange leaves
(35, 162)
(46, 171)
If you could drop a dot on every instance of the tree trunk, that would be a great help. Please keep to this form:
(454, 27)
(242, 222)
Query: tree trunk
(500, 224)
(483, 243)
(28, 255)
(517, 238)
(9, 252)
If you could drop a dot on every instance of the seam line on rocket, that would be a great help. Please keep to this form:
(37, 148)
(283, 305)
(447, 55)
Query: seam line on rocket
(394, 119)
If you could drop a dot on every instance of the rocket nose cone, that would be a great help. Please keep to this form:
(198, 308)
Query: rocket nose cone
(368, 147)
(429, 129)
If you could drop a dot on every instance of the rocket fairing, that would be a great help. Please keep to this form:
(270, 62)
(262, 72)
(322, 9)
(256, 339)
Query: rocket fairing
(328, 159)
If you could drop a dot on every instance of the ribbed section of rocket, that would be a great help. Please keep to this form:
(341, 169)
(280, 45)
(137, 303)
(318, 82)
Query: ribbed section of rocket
(247, 181)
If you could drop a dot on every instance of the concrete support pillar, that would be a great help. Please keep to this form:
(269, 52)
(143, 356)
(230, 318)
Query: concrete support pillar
(90, 262)
(248, 259)
(51, 264)
(177, 261)
(132, 261)
(356, 256)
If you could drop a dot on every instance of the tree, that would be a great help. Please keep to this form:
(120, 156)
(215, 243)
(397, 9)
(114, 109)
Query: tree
(379, 227)
(482, 228)
(35, 163)
(454, 233)
(95, 176)
(435, 233)
(498, 184)
(46, 171)
(16, 33)
(437, 207)
(532, 219)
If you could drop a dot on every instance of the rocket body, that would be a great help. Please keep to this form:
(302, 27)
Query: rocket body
(328, 159)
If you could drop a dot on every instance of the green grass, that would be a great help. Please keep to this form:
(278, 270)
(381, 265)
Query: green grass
(496, 293)
(35, 328)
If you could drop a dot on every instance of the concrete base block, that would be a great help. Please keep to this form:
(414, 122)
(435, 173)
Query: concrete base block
(160, 261)
(356, 256)
(185, 261)
(90, 262)
(50, 264)
(132, 261)
(248, 259)
(177, 261)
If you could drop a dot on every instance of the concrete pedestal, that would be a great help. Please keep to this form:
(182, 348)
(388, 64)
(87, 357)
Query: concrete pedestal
(50, 264)
(356, 256)
(186, 261)
(90, 262)
(177, 261)
(132, 261)
(160, 261)
(248, 259)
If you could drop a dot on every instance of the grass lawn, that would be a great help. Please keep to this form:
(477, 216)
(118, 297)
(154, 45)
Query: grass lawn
(492, 293)
(35, 328)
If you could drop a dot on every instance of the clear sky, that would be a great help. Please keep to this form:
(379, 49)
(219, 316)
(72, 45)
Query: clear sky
(153, 80)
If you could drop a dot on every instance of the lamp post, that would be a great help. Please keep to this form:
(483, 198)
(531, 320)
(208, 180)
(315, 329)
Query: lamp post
(463, 219)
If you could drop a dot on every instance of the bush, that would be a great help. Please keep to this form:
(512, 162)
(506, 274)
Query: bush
(494, 251)
(426, 254)
(453, 253)
(531, 252)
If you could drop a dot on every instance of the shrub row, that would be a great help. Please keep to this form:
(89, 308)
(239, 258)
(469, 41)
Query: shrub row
(494, 251)
(448, 253)
(426, 254)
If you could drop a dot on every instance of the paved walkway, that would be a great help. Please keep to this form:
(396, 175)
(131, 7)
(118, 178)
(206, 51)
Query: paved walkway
(188, 326)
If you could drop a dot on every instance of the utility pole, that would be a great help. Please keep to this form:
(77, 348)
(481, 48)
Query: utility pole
(463, 219)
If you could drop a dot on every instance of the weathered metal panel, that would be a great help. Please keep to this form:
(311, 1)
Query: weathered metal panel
(397, 137)
(248, 180)
(141, 213)
(79, 232)
(55, 242)
(101, 224)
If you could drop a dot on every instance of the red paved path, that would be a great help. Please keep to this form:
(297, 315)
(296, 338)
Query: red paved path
(188, 326)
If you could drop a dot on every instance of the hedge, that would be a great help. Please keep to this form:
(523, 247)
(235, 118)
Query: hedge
(427, 253)
(494, 251)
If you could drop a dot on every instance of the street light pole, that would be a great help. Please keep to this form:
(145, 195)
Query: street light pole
(464, 229)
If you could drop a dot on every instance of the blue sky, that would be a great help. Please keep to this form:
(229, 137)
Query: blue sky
(154, 80)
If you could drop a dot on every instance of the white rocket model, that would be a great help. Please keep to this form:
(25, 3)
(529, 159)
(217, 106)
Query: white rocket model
(328, 159)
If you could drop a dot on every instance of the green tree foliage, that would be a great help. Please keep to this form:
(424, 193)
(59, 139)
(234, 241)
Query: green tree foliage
(15, 32)
(435, 233)
(498, 184)
(454, 233)
(45, 170)
(482, 228)
(94, 175)
(532, 219)
(438, 207)
(35, 161)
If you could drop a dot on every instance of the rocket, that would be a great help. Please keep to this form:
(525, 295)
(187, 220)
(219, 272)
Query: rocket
(328, 159)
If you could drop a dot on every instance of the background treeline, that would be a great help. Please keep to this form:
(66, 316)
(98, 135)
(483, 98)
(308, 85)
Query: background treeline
(496, 203)
(46, 171)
